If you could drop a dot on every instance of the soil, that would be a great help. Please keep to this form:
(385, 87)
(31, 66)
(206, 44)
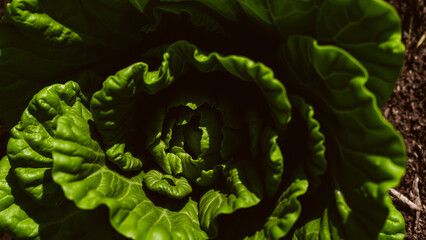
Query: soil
(405, 110)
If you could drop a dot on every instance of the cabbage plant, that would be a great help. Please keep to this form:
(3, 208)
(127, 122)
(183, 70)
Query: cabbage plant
(199, 119)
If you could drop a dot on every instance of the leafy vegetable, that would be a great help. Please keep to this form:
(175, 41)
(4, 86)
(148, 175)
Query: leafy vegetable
(199, 119)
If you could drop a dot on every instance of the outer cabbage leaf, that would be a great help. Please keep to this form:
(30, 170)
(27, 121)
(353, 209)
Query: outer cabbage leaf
(25, 219)
(325, 226)
(381, 52)
(31, 142)
(394, 228)
(369, 30)
(21, 223)
(362, 169)
(341, 23)
(54, 42)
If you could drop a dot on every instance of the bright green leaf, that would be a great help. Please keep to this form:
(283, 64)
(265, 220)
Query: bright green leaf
(362, 169)
(81, 170)
(31, 143)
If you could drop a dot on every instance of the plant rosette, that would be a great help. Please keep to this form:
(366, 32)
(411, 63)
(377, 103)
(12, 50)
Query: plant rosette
(146, 128)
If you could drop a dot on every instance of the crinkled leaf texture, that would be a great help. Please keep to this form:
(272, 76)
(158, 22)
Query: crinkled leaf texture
(25, 219)
(31, 143)
(207, 140)
(81, 168)
(32, 205)
(361, 169)
(102, 35)
(368, 29)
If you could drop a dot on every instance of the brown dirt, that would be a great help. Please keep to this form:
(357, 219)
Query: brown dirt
(405, 110)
